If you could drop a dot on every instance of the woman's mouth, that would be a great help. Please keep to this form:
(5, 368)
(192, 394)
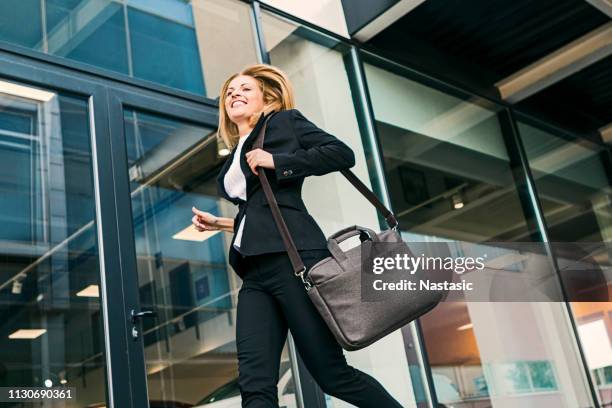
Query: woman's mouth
(239, 103)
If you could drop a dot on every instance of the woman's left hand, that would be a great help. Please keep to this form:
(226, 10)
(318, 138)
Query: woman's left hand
(259, 158)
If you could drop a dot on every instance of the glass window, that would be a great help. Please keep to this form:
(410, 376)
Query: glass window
(188, 45)
(446, 162)
(316, 67)
(179, 11)
(226, 40)
(572, 177)
(12, 15)
(451, 179)
(573, 181)
(51, 329)
(164, 51)
(183, 274)
(327, 14)
(521, 377)
(87, 31)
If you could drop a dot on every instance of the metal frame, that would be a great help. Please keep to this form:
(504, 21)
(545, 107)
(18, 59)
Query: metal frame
(543, 228)
(23, 70)
(258, 24)
(118, 100)
(373, 149)
(125, 377)
(99, 73)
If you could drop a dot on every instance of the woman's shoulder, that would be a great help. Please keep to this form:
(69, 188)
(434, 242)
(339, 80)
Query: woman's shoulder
(288, 114)
(287, 117)
(285, 114)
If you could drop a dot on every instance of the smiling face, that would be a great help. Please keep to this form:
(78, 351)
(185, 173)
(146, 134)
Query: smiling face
(243, 98)
(257, 89)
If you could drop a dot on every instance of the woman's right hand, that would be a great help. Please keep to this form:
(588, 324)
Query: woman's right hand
(204, 221)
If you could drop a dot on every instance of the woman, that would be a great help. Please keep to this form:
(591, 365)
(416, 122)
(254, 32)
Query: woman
(272, 299)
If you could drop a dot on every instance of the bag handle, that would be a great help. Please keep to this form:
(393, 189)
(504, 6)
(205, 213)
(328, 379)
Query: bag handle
(296, 261)
(351, 231)
(333, 242)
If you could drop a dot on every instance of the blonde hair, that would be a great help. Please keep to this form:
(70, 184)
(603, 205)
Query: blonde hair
(277, 95)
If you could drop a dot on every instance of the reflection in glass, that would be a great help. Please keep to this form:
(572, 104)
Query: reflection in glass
(51, 326)
(164, 51)
(226, 40)
(183, 274)
(89, 31)
(12, 15)
(189, 46)
(446, 162)
(327, 14)
(572, 177)
(450, 178)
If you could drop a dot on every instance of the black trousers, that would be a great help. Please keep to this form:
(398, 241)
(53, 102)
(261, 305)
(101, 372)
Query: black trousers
(272, 299)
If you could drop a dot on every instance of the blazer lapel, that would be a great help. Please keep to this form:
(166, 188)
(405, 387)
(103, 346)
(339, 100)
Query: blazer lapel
(247, 146)
(251, 138)
(242, 160)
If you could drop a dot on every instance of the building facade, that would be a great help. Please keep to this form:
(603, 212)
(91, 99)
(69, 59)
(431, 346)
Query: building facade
(476, 124)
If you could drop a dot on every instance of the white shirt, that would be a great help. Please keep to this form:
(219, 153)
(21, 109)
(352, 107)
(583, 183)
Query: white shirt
(235, 184)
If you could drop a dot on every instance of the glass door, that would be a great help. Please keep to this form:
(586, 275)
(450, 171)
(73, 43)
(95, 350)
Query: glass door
(185, 288)
(51, 322)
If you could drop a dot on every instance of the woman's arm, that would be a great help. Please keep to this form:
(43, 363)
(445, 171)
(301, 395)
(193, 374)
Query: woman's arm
(320, 152)
(205, 221)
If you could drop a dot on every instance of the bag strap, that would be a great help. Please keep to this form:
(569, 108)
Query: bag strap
(294, 256)
(371, 197)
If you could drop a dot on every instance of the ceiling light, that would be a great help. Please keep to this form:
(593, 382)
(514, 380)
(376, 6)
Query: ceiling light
(27, 334)
(192, 234)
(457, 201)
(606, 133)
(63, 381)
(90, 291)
(17, 286)
(465, 327)
(25, 92)
(48, 383)
(222, 149)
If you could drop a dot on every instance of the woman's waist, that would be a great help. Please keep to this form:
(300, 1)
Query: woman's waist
(263, 261)
(261, 247)
(289, 199)
(260, 230)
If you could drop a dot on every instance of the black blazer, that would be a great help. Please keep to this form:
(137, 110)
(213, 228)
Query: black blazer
(299, 149)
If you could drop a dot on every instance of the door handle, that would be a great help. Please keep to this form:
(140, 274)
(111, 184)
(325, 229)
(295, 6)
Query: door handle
(136, 316)
(139, 315)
